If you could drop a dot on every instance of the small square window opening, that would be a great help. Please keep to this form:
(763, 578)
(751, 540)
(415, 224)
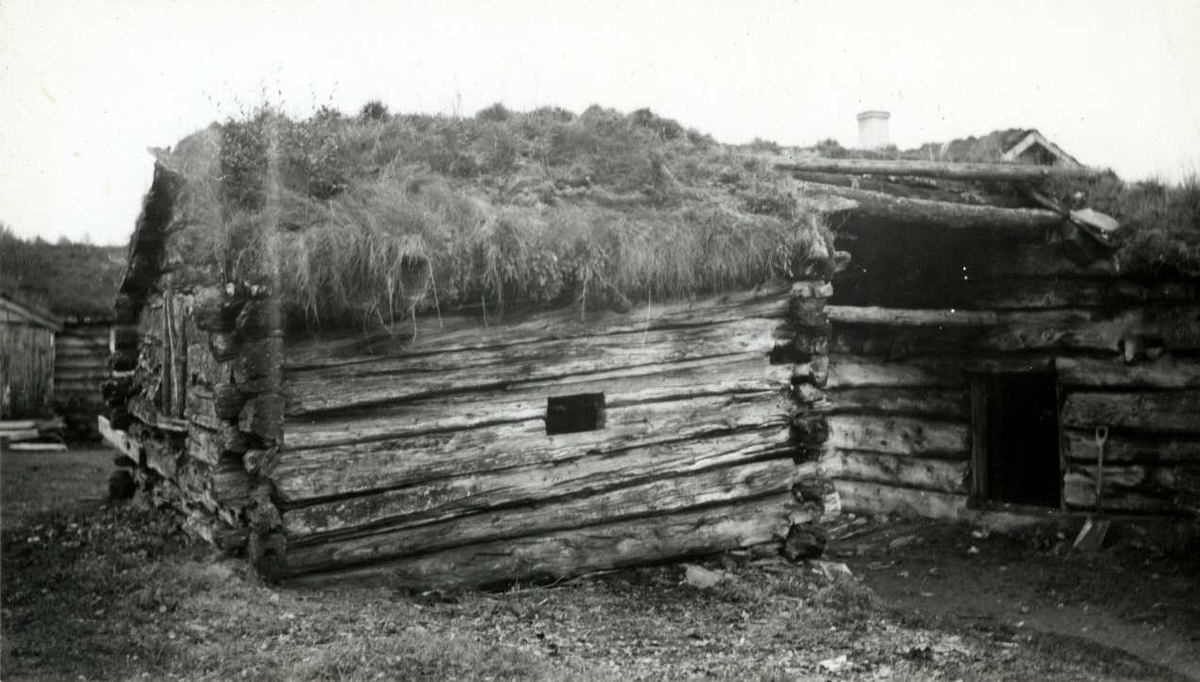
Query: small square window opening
(574, 413)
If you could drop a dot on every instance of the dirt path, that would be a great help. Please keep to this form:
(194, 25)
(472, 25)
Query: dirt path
(1130, 597)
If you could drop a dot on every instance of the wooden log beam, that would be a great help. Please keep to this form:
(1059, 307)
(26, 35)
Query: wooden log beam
(661, 496)
(941, 403)
(573, 362)
(1007, 172)
(877, 498)
(1164, 373)
(582, 473)
(571, 552)
(899, 435)
(909, 191)
(467, 332)
(1032, 222)
(1080, 446)
(759, 391)
(1165, 412)
(853, 314)
(949, 476)
(850, 371)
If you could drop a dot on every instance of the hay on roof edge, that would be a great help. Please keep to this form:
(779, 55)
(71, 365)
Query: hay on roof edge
(378, 220)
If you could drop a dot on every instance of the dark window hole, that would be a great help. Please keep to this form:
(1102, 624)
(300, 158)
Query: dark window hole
(574, 413)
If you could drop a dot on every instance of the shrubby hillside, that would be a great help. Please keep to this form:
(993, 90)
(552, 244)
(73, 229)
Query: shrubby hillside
(70, 279)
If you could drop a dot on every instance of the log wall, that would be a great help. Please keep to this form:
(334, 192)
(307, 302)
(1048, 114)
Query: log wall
(909, 331)
(81, 352)
(424, 458)
(26, 367)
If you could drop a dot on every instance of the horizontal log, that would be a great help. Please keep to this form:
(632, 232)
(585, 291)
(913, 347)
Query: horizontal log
(1080, 445)
(415, 458)
(573, 472)
(567, 553)
(617, 359)
(877, 498)
(1167, 412)
(848, 314)
(848, 371)
(729, 385)
(1031, 222)
(1033, 294)
(965, 195)
(1011, 172)
(1063, 330)
(899, 435)
(944, 403)
(1125, 490)
(1165, 373)
(119, 440)
(655, 497)
(452, 332)
(942, 475)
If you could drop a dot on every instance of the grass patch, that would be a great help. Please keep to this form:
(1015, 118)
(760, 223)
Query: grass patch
(1160, 222)
(123, 592)
(380, 217)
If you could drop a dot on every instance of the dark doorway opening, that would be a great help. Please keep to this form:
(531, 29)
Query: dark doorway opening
(1016, 451)
(575, 413)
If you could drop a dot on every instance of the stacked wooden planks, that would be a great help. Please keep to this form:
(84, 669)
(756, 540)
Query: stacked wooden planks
(81, 353)
(426, 459)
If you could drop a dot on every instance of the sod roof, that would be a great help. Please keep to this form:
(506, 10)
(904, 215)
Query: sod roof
(376, 217)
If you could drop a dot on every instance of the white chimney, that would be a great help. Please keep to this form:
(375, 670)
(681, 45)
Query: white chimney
(873, 130)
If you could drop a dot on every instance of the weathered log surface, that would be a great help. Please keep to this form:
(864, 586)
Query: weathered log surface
(928, 474)
(934, 169)
(574, 552)
(1164, 373)
(848, 371)
(848, 314)
(1034, 294)
(725, 485)
(370, 383)
(944, 403)
(525, 403)
(876, 498)
(1166, 412)
(1030, 222)
(1037, 261)
(573, 472)
(1126, 488)
(1080, 445)
(899, 435)
(462, 331)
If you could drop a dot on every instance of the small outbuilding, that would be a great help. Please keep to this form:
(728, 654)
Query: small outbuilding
(27, 333)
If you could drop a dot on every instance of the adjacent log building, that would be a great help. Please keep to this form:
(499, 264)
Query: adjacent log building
(27, 332)
(987, 354)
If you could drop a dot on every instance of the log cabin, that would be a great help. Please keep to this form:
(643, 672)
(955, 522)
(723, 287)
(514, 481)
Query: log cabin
(464, 445)
(27, 332)
(991, 356)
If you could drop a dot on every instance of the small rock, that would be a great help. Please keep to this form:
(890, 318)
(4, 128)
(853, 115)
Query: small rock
(702, 578)
(834, 569)
(835, 665)
(973, 550)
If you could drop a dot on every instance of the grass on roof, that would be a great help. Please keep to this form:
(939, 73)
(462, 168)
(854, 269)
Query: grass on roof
(377, 217)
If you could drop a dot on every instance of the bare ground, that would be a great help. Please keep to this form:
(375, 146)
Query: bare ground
(117, 592)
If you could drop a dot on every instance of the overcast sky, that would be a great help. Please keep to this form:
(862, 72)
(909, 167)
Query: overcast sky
(86, 87)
